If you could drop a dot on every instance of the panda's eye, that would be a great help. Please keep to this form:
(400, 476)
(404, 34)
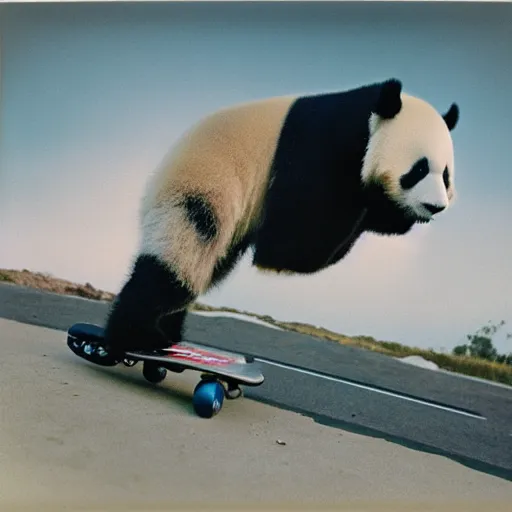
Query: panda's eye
(418, 171)
(446, 177)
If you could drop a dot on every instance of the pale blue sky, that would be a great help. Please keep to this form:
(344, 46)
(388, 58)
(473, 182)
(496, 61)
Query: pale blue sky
(93, 96)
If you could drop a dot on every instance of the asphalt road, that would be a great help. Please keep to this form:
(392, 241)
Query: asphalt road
(467, 421)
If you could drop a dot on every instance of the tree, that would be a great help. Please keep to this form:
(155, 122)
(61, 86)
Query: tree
(480, 344)
(482, 347)
(501, 358)
(504, 358)
(461, 350)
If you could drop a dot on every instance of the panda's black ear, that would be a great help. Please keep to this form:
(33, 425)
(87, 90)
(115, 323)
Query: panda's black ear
(451, 118)
(389, 102)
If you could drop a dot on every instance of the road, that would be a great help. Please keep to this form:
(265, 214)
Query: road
(75, 436)
(350, 389)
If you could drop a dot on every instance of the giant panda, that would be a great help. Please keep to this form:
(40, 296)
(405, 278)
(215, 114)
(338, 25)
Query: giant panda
(296, 179)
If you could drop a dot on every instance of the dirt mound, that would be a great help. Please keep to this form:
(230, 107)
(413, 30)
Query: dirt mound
(47, 282)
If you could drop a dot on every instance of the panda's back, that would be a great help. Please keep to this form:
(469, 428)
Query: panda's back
(226, 157)
(237, 142)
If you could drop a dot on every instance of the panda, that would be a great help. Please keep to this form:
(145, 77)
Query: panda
(296, 179)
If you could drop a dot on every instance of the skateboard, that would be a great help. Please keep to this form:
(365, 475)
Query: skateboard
(222, 372)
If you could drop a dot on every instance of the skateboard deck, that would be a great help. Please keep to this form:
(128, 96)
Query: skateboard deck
(218, 367)
(191, 356)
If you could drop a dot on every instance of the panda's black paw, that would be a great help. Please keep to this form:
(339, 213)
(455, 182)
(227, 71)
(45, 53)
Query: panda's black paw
(93, 352)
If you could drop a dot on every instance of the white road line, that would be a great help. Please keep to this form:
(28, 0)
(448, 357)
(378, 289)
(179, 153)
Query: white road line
(370, 388)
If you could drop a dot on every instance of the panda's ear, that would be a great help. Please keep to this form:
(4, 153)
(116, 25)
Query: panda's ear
(389, 102)
(451, 118)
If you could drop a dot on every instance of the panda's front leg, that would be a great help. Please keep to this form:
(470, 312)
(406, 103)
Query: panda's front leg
(149, 312)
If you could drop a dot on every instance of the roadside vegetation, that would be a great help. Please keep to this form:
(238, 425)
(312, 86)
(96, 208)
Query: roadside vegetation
(477, 358)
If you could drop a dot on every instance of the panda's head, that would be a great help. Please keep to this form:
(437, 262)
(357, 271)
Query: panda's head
(408, 167)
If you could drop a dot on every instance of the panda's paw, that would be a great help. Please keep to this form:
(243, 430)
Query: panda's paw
(93, 352)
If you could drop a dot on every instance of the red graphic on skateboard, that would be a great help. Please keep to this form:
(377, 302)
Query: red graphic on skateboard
(198, 356)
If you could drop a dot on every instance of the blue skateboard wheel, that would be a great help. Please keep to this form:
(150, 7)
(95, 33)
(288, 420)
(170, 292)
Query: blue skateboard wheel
(208, 398)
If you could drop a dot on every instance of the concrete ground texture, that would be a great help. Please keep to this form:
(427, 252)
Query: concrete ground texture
(81, 435)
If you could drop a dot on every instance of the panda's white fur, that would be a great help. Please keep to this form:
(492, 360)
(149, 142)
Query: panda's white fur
(226, 158)
(297, 179)
(396, 144)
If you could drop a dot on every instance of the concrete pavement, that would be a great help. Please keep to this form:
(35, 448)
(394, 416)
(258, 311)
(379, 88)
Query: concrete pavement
(73, 433)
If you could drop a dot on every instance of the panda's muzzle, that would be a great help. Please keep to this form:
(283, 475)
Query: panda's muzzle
(432, 208)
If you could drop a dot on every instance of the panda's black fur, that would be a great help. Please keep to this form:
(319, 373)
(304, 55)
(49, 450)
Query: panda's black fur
(313, 209)
(312, 205)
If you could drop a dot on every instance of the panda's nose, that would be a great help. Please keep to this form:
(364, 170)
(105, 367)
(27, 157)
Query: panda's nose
(432, 208)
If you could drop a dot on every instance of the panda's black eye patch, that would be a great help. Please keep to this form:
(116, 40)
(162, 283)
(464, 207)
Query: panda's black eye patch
(418, 171)
(446, 177)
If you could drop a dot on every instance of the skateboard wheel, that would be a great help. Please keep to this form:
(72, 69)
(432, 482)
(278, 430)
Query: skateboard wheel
(153, 373)
(232, 391)
(208, 398)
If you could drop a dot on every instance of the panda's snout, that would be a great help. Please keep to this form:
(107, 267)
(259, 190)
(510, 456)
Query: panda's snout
(432, 208)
